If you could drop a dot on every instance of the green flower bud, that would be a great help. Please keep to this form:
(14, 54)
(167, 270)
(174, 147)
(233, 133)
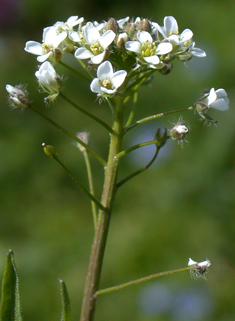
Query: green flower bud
(49, 150)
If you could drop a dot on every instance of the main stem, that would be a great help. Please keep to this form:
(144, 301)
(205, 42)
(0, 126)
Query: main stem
(101, 231)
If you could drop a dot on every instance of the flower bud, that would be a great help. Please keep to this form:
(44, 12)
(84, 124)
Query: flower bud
(121, 40)
(18, 96)
(144, 25)
(49, 81)
(112, 25)
(49, 150)
(166, 69)
(162, 136)
(83, 136)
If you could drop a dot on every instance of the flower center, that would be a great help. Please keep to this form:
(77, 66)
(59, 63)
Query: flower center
(106, 83)
(148, 49)
(187, 43)
(47, 48)
(96, 48)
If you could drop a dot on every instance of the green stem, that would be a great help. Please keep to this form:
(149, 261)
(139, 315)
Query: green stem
(151, 142)
(102, 227)
(139, 171)
(141, 280)
(75, 71)
(144, 120)
(91, 186)
(65, 131)
(77, 180)
(132, 110)
(98, 120)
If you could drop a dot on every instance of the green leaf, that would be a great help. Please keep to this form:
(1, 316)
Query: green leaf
(10, 304)
(66, 309)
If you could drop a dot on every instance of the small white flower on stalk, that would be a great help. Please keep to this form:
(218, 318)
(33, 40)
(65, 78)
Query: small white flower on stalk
(183, 46)
(179, 131)
(49, 48)
(198, 270)
(108, 81)
(148, 50)
(68, 25)
(216, 99)
(84, 137)
(18, 96)
(49, 81)
(95, 46)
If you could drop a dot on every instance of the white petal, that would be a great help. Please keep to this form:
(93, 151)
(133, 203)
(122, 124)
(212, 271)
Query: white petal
(118, 78)
(220, 104)
(221, 93)
(212, 96)
(105, 71)
(43, 58)
(164, 47)
(83, 53)
(34, 48)
(134, 46)
(144, 36)
(107, 38)
(59, 38)
(197, 52)
(108, 91)
(191, 262)
(91, 34)
(170, 25)
(98, 59)
(95, 86)
(186, 35)
(154, 60)
(49, 34)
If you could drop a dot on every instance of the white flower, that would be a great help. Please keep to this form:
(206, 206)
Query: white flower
(183, 46)
(198, 269)
(108, 81)
(49, 81)
(213, 99)
(147, 49)
(69, 24)
(170, 27)
(95, 45)
(49, 47)
(18, 96)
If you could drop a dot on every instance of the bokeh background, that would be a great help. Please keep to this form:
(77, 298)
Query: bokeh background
(182, 207)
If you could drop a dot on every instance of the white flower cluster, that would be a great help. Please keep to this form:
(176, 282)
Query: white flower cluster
(116, 47)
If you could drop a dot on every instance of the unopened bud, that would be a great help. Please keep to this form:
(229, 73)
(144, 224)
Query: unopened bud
(83, 136)
(18, 96)
(144, 25)
(161, 136)
(112, 25)
(166, 69)
(49, 150)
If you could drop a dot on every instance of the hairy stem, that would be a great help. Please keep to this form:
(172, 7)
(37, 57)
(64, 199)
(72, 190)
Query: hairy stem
(102, 226)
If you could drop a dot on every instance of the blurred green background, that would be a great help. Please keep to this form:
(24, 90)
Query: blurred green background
(181, 207)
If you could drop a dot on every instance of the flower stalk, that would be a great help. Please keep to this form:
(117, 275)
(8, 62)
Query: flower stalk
(101, 231)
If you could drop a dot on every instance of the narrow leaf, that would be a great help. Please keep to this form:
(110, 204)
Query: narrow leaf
(10, 304)
(66, 309)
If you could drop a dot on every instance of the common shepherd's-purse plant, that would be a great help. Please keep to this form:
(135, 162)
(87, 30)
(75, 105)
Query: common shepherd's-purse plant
(118, 57)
